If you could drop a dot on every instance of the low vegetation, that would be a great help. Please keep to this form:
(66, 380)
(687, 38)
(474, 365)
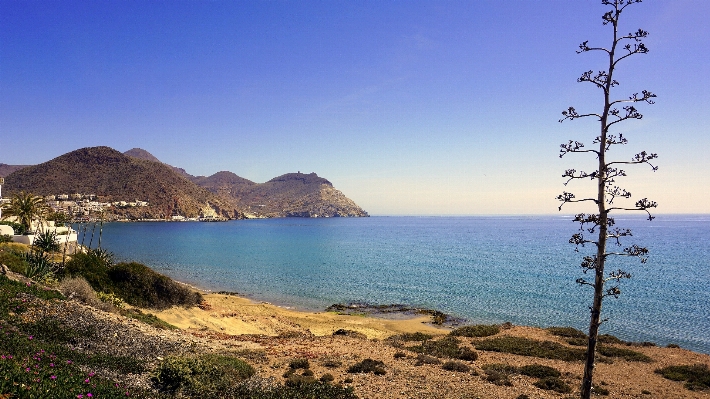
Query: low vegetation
(548, 378)
(555, 350)
(476, 331)
(376, 367)
(446, 347)
(134, 283)
(696, 377)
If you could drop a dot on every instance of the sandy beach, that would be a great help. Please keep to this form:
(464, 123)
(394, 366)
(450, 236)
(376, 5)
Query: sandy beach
(280, 335)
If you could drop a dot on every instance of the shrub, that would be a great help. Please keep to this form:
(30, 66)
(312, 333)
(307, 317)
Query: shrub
(456, 366)
(696, 377)
(327, 377)
(424, 359)
(140, 286)
(599, 390)
(78, 288)
(446, 347)
(11, 256)
(610, 339)
(296, 364)
(409, 337)
(553, 384)
(147, 318)
(626, 354)
(206, 375)
(331, 363)
(672, 346)
(111, 299)
(531, 347)
(566, 332)
(5, 238)
(499, 374)
(400, 355)
(376, 367)
(350, 333)
(479, 330)
(539, 371)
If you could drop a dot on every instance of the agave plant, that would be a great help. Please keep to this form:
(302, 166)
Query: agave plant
(46, 242)
(103, 256)
(38, 265)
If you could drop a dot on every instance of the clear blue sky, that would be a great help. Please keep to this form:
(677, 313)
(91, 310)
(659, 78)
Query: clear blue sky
(408, 107)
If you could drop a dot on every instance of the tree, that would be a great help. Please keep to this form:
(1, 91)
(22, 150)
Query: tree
(26, 208)
(598, 229)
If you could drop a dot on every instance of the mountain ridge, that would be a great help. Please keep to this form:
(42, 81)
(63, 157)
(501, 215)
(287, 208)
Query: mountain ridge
(138, 175)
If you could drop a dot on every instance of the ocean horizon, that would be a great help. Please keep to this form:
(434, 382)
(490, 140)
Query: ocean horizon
(484, 269)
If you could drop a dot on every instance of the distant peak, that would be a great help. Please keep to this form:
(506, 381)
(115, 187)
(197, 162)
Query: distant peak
(141, 154)
(310, 178)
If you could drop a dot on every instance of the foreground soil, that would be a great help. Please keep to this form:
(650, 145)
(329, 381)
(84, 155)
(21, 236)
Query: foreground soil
(269, 337)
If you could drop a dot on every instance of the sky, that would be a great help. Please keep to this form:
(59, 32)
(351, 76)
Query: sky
(407, 107)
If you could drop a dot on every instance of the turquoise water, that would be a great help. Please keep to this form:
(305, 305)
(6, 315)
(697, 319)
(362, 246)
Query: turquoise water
(484, 269)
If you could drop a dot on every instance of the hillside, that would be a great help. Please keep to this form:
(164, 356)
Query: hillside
(138, 175)
(113, 176)
(6, 169)
(296, 195)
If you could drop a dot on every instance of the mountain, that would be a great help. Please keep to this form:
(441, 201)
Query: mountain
(138, 175)
(289, 195)
(143, 154)
(6, 169)
(113, 176)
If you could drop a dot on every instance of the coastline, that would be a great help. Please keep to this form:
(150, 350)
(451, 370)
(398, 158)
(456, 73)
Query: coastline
(234, 314)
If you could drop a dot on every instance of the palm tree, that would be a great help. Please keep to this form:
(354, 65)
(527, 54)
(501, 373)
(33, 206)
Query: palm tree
(26, 208)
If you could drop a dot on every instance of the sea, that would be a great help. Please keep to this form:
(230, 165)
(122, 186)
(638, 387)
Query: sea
(487, 269)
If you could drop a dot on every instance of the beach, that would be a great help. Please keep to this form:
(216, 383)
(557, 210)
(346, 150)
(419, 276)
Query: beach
(272, 336)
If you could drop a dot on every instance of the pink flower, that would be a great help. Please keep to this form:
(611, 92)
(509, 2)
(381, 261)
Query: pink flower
(30, 337)
(86, 381)
(68, 361)
(54, 377)
(51, 364)
(89, 395)
(79, 396)
(92, 374)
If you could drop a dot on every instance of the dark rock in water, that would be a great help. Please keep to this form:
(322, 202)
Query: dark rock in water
(359, 308)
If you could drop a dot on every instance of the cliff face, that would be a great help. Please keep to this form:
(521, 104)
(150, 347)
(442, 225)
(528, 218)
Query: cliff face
(295, 195)
(138, 175)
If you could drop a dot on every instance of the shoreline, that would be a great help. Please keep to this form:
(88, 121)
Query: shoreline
(236, 314)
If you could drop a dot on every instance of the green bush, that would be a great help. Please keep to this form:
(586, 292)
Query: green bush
(499, 374)
(553, 384)
(476, 331)
(5, 238)
(425, 359)
(409, 337)
(696, 377)
(206, 375)
(301, 363)
(446, 347)
(376, 367)
(531, 347)
(539, 371)
(13, 259)
(456, 366)
(626, 354)
(566, 332)
(133, 282)
(140, 286)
